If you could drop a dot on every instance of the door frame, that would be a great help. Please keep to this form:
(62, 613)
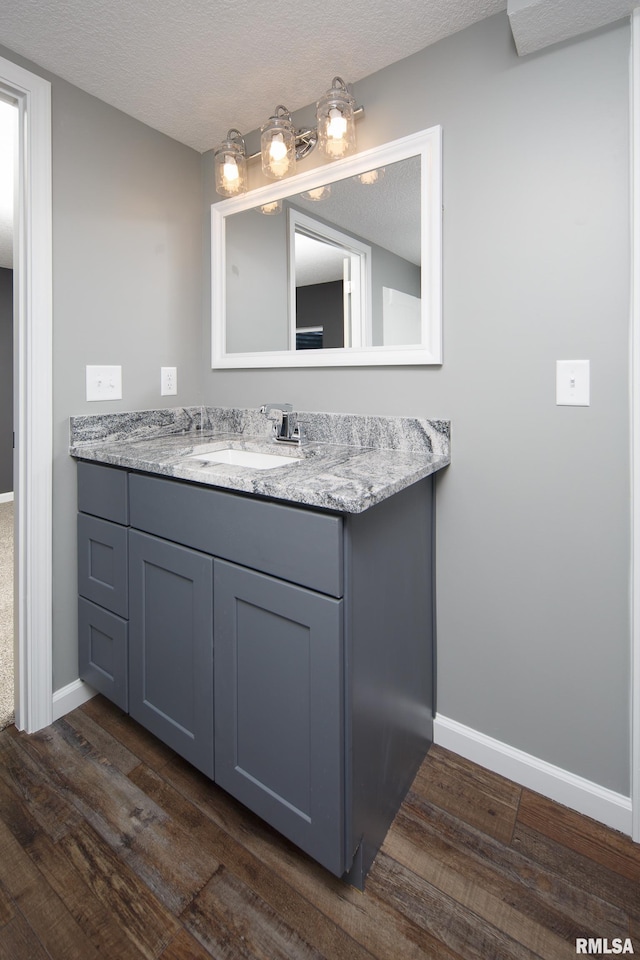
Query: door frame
(33, 420)
(634, 374)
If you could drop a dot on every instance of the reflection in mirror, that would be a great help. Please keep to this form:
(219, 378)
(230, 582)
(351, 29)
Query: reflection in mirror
(319, 284)
(329, 285)
(344, 270)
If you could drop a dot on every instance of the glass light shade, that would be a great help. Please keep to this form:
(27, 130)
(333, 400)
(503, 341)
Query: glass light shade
(336, 123)
(231, 166)
(278, 145)
(318, 193)
(270, 209)
(371, 176)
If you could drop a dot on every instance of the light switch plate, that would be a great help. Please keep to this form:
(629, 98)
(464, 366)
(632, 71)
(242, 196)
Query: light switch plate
(572, 383)
(104, 383)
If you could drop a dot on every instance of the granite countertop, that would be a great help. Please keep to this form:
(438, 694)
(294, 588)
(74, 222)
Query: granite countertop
(348, 463)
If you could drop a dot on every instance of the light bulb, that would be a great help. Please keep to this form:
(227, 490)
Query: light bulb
(278, 148)
(231, 166)
(230, 171)
(337, 126)
(336, 129)
(277, 144)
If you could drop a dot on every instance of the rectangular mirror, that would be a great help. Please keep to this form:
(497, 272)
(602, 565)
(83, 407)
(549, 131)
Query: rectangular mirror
(338, 266)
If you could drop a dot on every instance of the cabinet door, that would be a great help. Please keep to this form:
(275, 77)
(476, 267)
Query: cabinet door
(279, 729)
(171, 645)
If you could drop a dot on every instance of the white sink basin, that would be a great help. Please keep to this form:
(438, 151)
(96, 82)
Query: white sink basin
(245, 458)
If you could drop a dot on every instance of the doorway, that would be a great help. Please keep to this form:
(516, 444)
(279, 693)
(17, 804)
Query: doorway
(8, 145)
(32, 395)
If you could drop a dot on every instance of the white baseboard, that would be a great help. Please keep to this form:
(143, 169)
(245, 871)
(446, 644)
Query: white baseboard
(6, 497)
(590, 799)
(68, 698)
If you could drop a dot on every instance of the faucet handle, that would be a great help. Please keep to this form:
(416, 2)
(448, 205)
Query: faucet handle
(298, 433)
(266, 408)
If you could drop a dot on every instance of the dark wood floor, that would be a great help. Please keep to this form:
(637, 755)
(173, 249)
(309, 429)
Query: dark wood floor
(113, 847)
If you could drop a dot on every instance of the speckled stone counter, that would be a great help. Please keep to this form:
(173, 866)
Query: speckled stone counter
(347, 462)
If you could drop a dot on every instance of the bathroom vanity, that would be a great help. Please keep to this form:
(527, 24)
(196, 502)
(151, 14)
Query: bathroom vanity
(282, 645)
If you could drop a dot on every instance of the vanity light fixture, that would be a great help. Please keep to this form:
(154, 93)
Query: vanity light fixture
(231, 165)
(336, 121)
(278, 144)
(281, 145)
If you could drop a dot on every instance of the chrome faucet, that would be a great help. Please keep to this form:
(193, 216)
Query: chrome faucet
(286, 427)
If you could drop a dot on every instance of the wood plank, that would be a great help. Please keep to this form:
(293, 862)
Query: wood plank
(102, 742)
(611, 849)
(23, 788)
(370, 923)
(227, 911)
(121, 814)
(579, 870)
(301, 915)
(146, 921)
(41, 907)
(501, 904)
(7, 909)
(536, 891)
(135, 738)
(479, 797)
(19, 942)
(101, 925)
(184, 947)
(456, 920)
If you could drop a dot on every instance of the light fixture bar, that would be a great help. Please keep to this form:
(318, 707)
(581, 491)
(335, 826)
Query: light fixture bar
(282, 146)
(306, 138)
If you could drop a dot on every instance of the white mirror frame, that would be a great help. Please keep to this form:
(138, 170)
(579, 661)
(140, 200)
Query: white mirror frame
(428, 145)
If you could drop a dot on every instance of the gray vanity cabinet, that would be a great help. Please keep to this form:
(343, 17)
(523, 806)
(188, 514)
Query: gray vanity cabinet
(171, 648)
(279, 729)
(285, 651)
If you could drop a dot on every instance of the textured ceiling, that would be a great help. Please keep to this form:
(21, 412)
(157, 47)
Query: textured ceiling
(538, 23)
(385, 213)
(194, 68)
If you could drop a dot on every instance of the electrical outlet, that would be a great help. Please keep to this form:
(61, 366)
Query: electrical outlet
(168, 381)
(104, 383)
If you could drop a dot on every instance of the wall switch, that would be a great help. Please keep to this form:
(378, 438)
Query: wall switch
(168, 381)
(104, 383)
(572, 383)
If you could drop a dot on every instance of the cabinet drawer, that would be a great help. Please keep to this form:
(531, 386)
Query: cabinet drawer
(102, 491)
(103, 646)
(102, 563)
(293, 544)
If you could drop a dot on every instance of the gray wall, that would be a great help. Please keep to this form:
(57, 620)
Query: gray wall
(533, 514)
(6, 380)
(257, 282)
(127, 282)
